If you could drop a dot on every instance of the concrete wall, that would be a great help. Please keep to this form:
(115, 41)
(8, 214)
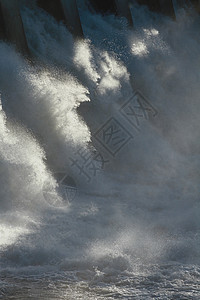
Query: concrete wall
(124, 10)
(160, 6)
(66, 11)
(103, 6)
(2, 25)
(117, 7)
(196, 4)
(11, 25)
(167, 8)
(52, 7)
(72, 17)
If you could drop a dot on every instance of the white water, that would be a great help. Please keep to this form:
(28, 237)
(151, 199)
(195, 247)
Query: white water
(132, 232)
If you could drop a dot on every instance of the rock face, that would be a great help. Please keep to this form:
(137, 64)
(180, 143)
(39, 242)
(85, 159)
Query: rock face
(66, 11)
(11, 26)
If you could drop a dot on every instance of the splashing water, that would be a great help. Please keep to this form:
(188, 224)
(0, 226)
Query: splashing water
(86, 212)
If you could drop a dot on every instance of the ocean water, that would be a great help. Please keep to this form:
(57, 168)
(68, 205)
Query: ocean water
(99, 155)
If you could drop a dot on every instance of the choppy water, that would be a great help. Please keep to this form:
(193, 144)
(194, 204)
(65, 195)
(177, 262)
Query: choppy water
(99, 160)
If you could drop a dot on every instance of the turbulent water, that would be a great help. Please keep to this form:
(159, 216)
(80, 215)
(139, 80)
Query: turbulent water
(99, 159)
